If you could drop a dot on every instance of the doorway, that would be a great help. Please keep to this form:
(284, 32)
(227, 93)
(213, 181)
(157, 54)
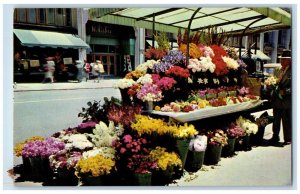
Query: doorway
(108, 61)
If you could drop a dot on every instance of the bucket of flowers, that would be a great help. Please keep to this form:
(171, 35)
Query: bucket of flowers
(38, 153)
(168, 163)
(18, 149)
(196, 153)
(217, 139)
(233, 132)
(64, 163)
(244, 143)
(93, 171)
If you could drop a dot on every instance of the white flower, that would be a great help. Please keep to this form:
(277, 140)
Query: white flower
(107, 152)
(146, 79)
(198, 144)
(216, 81)
(235, 80)
(231, 63)
(103, 135)
(124, 83)
(79, 141)
(190, 81)
(147, 65)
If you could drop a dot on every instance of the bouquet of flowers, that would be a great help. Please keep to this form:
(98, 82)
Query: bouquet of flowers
(155, 53)
(139, 163)
(217, 137)
(124, 83)
(198, 144)
(124, 115)
(44, 148)
(106, 152)
(149, 92)
(165, 159)
(18, 149)
(231, 63)
(77, 141)
(235, 131)
(148, 65)
(247, 125)
(272, 84)
(94, 166)
(64, 159)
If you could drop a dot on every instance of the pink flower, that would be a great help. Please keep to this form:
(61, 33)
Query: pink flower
(122, 150)
(127, 139)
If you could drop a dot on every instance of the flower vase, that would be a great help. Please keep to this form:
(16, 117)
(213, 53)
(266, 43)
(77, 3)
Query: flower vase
(194, 161)
(66, 177)
(125, 97)
(40, 169)
(142, 179)
(213, 154)
(182, 146)
(228, 150)
(149, 106)
(93, 180)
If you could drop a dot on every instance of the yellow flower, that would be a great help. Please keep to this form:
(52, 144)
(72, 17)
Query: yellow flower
(165, 159)
(157, 108)
(95, 165)
(19, 146)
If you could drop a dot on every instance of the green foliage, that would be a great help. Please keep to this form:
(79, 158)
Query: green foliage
(97, 112)
(162, 41)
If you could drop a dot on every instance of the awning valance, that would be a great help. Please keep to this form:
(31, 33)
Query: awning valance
(33, 38)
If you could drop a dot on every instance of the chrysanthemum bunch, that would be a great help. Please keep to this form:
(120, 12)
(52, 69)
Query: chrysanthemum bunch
(134, 74)
(144, 67)
(64, 159)
(19, 146)
(165, 159)
(44, 148)
(77, 141)
(95, 166)
(217, 137)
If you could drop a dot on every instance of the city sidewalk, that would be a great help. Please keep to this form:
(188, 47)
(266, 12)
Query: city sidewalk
(90, 84)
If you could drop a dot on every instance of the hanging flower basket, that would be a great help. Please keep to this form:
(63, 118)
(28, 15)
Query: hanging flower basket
(212, 154)
(194, 161)
(228, 150)
(142, 179)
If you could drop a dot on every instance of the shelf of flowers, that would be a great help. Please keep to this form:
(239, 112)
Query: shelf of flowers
(120, 144)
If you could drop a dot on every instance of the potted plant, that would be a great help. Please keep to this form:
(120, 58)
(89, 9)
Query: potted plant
(196, 153)
(94, 170)
(217, 139)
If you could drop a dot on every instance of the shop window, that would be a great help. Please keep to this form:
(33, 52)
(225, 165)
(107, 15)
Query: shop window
(41, 16)
(112, 49)
(21, 15)
(50, 16)
(59, 20)
(31, 16)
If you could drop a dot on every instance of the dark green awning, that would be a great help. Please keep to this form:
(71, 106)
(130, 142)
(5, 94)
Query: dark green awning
(32, 38)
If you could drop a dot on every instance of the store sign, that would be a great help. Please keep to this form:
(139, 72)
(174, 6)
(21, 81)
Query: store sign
(101, 28)
(34, 63)
(68, 61)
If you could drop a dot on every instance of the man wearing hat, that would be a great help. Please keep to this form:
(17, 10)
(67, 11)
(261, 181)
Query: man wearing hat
(281, 102)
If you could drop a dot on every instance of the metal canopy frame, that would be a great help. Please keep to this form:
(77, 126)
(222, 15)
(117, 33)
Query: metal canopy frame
(143, 17)
(156, 20)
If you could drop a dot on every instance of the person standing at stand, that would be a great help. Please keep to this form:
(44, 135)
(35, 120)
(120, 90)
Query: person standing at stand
(281, 102)
(79, 67)
(99, 69)
(49, 67)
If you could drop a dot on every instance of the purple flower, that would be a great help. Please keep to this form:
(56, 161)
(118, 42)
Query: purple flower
(87, 125)
(243, 91)
(174, 57)
(162, 66)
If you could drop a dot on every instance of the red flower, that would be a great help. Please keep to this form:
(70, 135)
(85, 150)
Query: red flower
(178, 71)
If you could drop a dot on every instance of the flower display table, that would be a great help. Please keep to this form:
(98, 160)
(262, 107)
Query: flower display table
(210, 111)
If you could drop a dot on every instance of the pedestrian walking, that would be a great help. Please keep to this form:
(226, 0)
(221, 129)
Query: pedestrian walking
(86, 70)
(49, 68)
(99, 69)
